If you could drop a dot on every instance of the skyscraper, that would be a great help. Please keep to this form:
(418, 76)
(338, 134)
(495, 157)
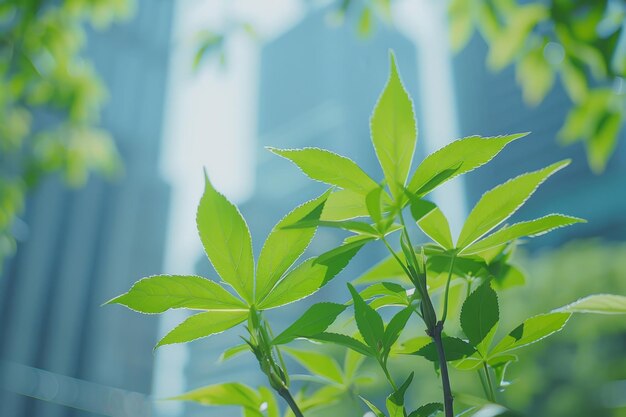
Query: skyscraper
(88, 245)
(491, 104)
(318, 86)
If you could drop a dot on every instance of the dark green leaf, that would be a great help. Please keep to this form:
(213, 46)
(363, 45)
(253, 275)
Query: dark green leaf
(427, 410)
(480, 316)
(315, 320)
(226, 240)
(369, 323)
(345, 341)
(161, 292)
(454, 348)
(395, 326)
(395, 401)
(373, 408)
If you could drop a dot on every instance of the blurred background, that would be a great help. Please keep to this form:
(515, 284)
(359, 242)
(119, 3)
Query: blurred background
(109, 110)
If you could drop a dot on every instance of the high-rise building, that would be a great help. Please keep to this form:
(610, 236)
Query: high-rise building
(318, 86)
(62, 354)
(491, 104)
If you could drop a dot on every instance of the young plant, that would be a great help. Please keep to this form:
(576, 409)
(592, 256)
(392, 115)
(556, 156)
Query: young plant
(425, 281)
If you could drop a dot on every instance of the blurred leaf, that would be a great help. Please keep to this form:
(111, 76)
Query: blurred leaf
(597, 303)
(317, 363)
(461, 23)
(394, 131)
(535, 75)
(229, 393)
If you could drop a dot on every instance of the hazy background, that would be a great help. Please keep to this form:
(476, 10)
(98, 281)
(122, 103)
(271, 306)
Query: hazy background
(303, 82)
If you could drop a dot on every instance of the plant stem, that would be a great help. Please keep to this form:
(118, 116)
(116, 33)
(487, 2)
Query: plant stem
(386, 371)
(445, 300)
(492, 392)
(443, 366)
(290, 401)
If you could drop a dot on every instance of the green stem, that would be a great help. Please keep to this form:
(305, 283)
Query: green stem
(290, 401)
(492, 392)
(388, 376)
(445, 300)
(481, 376)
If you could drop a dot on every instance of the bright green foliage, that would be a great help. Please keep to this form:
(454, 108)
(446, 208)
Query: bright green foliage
(427, 281)
(226, 240)
(394, 131)
(498, 204)
(330, 168)
(459, 157)
(284, 246)
(315, 320)
(43, 69)
(162, 292)
(203, 325)
(530, 228)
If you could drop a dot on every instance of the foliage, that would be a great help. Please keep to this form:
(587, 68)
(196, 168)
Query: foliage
(581, 44)
(50, 99)
(427, 276)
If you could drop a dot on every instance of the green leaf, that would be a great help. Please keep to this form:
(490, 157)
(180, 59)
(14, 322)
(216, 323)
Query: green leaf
(394, 132)
(268, 397)
(317, 363)
(373, 202)
(480, 316)
(233, 351)
(229, 393)
(531, 331)
(530, 228)
(388, 268)
(498, 204)
(344, 205)
(315, 320)
(302, 281)
(159, 293)
(395, 326)
(203, 325)
(457, 158)
(369, 323)
(330, 168)
(395, 401)
(284, 246)
(432, 222)
(373, 408)
(412, 345)
(454, 348)
(349, 225)
(598, 303)
(226, 240)
(345, 341)
(311, 275)
(395, 291)
(427, 410)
